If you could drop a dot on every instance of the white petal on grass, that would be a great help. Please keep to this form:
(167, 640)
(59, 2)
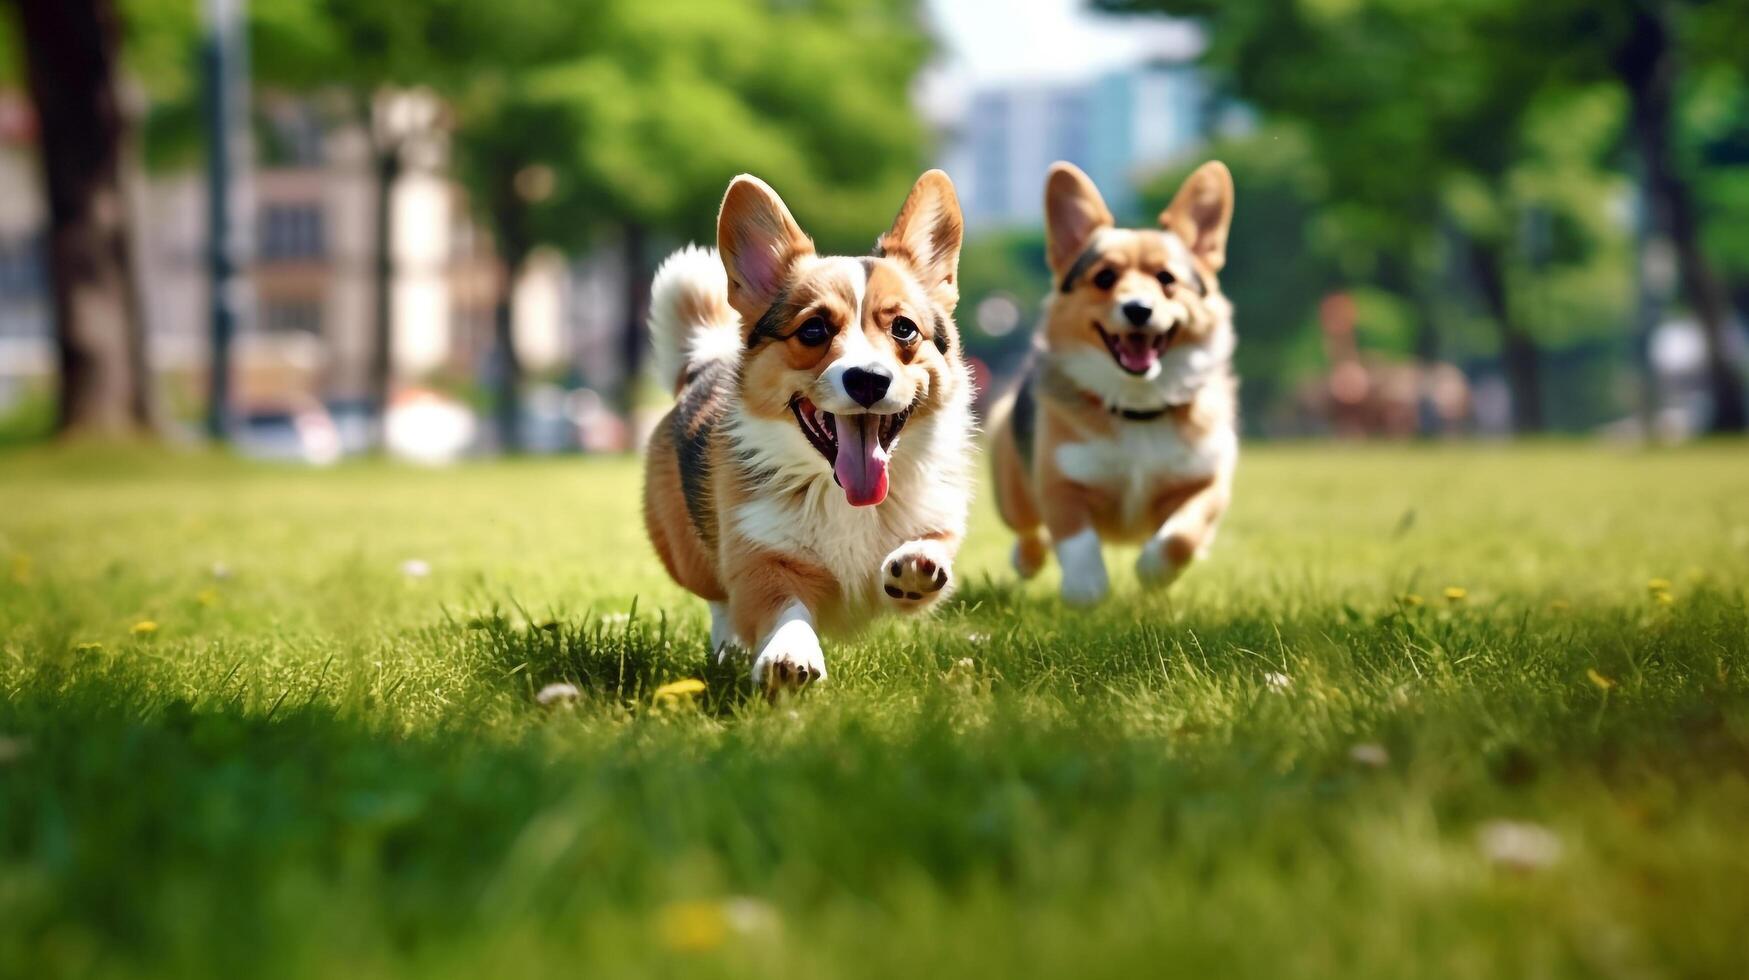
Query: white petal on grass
(1370, 754)
(557, 693)
(415, 568)
(750, 916)
(1518, 845)
(220, 570)
(1278, 681)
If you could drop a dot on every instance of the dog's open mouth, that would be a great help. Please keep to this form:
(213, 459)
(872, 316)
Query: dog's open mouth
(1136, 351)
(856, 446)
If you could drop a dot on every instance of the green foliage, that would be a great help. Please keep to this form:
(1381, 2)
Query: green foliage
(649, 119)
(316, 764)
(1716, 121)
(1009, 265)
(639, 112)
(11, 71)
(1444, 134)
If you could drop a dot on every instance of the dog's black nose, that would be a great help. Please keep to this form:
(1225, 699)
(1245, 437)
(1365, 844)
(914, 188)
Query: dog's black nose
(1137, 312)
(866, 387)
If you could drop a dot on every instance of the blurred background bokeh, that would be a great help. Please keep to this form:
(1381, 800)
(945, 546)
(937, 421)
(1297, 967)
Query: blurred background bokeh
(314, 229)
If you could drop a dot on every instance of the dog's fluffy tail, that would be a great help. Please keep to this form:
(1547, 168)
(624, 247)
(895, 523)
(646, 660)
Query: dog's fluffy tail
(691, 320)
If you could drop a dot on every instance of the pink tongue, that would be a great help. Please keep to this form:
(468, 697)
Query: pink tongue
(1137, 357)
(861, 466)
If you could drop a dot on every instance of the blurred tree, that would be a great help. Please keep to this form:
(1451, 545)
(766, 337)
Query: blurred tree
(71, 54)
(1007, 270)
(1646, 44)
(642, 131)
(371, 62)
(1716, 118)
(1392, 134)
(1409, 103)
(573, 123)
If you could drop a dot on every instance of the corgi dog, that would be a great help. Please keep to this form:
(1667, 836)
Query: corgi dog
(1124, 427)
(816, 467)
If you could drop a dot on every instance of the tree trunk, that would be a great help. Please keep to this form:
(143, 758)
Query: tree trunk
(1647, 65)
(513, 248)
(1651, 295)
(71, 51)
(386, 169)
(637, 299)
(506, 368)
(1518, 352)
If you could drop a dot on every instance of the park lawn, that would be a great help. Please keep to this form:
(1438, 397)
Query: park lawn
(1457, 712)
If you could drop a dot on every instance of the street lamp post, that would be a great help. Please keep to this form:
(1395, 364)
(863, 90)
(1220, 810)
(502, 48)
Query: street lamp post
(225, 71)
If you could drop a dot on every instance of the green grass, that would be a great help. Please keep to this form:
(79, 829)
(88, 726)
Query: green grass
(318, 764)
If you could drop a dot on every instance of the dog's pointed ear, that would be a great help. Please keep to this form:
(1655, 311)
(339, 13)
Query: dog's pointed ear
(1202, 211)
(926, 236)
(1074, 211)
(760, 243)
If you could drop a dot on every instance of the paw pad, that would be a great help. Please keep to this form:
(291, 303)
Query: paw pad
(914, 577)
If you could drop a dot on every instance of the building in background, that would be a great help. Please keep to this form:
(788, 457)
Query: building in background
(1120, 127)
(310, 335)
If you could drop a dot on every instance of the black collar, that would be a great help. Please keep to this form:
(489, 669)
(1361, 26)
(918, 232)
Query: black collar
(1142, 414)
(1056, 385)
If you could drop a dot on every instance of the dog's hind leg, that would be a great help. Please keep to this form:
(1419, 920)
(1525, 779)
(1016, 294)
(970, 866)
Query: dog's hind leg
(1014, 501)
(1187, 518)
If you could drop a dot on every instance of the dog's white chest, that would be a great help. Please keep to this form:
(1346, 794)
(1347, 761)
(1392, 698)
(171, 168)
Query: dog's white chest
(804, 514)
(1140, 456)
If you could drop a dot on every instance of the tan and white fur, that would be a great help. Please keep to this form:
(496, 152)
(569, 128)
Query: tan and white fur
(815, 469)
(1125, 427)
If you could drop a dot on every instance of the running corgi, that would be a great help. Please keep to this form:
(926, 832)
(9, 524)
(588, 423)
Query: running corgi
(815, 469)
(1124, 427)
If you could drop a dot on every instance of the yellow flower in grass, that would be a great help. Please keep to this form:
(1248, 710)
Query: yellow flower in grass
(1658, 585)
(692, 927)
(699, 926)
(1456, 593)
(1664, 599)
(1412, 600)
(1599, 679)
(207, 597)
(144, 628)
(675, 691)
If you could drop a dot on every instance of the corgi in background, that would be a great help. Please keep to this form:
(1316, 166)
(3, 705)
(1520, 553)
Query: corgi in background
(815, 469)
(1124, 427)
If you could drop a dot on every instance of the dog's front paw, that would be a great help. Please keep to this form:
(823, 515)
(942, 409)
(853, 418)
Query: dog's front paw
(723, 640)
(791, 659)
(917, 573)
(1163, 559)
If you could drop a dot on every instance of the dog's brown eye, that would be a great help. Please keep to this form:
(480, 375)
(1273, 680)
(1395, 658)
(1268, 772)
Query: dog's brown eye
(814, 332)
(1166, 278)
(1105, 278)
(904, 330)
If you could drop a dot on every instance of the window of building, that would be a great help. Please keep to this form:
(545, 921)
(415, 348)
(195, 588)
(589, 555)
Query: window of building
(22, 273)
(291, 232)
(291, 316)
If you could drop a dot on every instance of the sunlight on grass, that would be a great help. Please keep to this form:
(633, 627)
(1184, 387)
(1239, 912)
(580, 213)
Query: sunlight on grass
(388, 722)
